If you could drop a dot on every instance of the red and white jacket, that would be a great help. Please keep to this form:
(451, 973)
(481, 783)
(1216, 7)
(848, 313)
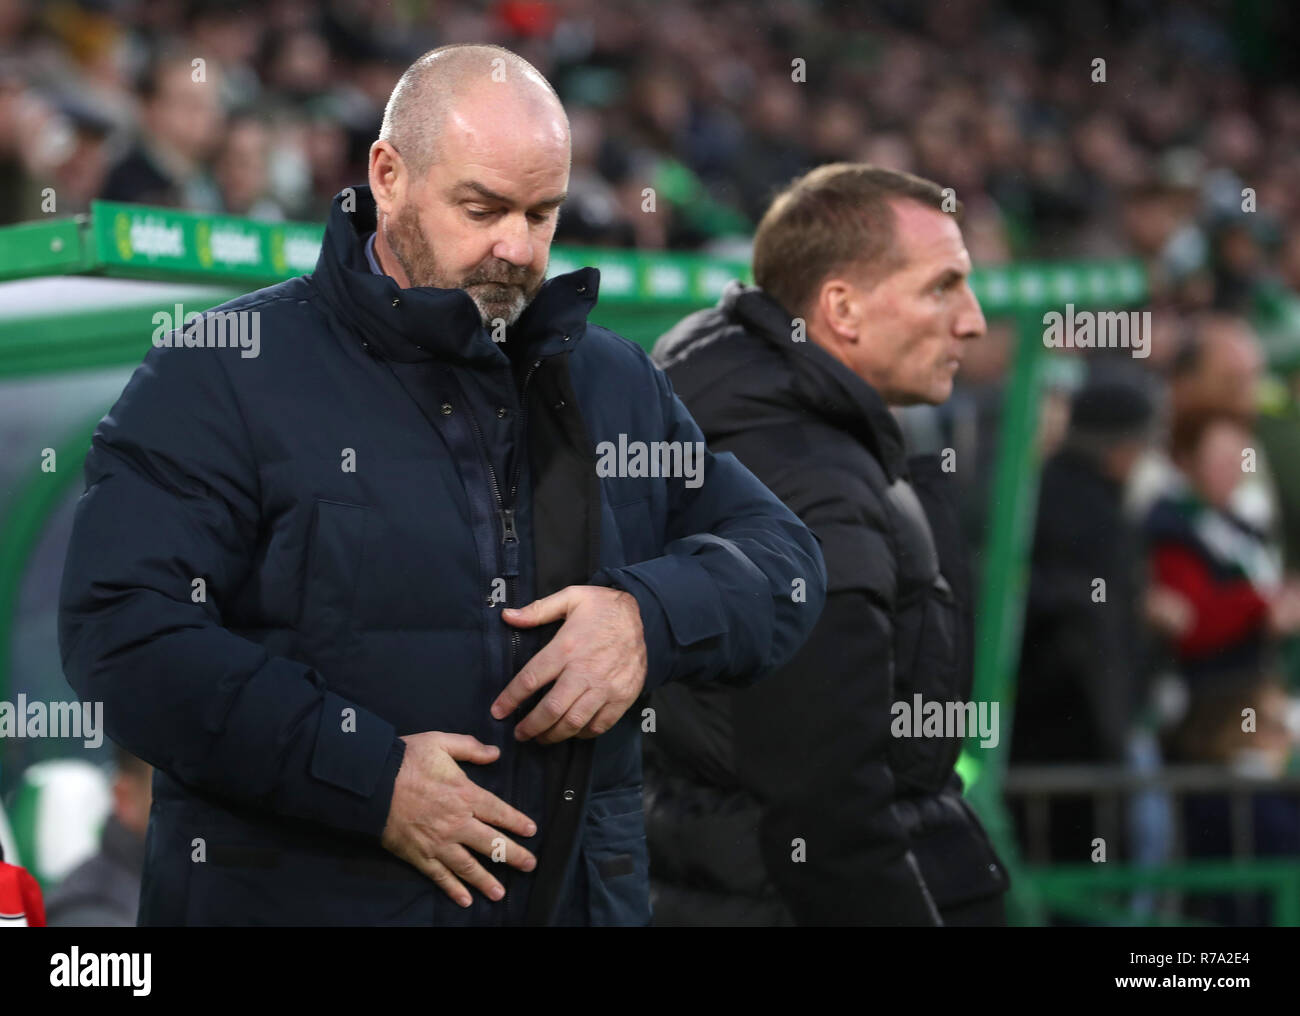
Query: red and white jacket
(20, 899)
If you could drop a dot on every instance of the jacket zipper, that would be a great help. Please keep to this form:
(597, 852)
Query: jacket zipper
(510, 553)
(509, 535)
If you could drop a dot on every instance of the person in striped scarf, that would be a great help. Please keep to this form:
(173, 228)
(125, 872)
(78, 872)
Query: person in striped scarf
(1227, 570)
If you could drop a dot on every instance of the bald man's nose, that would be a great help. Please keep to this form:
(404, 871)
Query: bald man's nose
(515, 241)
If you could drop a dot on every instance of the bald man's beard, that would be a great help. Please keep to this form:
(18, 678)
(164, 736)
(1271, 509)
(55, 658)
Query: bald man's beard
(500, 290)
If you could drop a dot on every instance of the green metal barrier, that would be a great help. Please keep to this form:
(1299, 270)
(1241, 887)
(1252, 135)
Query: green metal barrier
(641, 296)
(1073, 890)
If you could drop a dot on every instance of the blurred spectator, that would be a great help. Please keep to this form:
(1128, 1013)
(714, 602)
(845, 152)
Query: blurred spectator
(1241, 725)
(1079, 660)
(1217, 368)
(241, 170)
(1225, 568)
(1277, 429)
(1220, 369)
(593, 215)
(181, 121)
(105, 890)
(78, 176)
(20, 898)
(52, 152)
(1080, 673)
(325, 163)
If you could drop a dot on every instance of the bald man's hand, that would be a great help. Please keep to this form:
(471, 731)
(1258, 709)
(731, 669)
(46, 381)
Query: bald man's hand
(437, 812)
(597, 660)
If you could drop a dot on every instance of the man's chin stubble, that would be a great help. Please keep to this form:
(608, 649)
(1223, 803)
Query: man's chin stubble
(492, 311)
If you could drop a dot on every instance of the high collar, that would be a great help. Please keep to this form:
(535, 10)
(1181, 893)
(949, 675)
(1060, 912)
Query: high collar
(823, 384)
(425, 323)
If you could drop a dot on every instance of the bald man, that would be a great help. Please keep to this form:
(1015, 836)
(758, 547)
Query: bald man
(378, 601)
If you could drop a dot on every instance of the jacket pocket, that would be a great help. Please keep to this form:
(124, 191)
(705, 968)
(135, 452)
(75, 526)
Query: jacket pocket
(334, 555)
(255, 872)
(245, 886)
(616, 859)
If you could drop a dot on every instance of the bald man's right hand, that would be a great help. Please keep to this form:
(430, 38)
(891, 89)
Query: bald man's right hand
(437, 812)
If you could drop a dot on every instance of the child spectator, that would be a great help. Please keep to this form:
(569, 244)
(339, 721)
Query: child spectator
(1226, 570)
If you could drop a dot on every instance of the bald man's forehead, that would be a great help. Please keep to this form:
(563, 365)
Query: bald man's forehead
(520, 103)
(492, 120)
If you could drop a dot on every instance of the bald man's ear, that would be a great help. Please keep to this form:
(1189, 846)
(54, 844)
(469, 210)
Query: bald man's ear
(389, 177)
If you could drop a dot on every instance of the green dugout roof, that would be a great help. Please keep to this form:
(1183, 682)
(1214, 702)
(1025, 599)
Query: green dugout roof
(203, 260)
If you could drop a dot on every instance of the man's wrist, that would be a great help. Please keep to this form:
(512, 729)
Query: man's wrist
(655, 632)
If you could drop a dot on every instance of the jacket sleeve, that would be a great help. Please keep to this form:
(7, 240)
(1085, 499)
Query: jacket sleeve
(172, 497)
(812, 740)
(741, 581)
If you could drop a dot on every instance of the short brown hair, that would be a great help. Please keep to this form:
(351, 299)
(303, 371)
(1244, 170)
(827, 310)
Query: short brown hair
(837, 216)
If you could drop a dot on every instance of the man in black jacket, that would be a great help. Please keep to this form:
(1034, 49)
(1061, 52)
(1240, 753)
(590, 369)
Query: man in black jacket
(796, 801)
(1079, 685)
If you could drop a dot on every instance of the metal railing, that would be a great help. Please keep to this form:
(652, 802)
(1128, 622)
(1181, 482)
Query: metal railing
(1150, 889)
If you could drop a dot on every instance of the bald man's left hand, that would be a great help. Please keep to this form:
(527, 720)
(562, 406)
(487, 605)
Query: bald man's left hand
(597, 660)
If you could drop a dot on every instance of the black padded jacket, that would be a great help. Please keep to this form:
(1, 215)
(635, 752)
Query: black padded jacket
(790, 802)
